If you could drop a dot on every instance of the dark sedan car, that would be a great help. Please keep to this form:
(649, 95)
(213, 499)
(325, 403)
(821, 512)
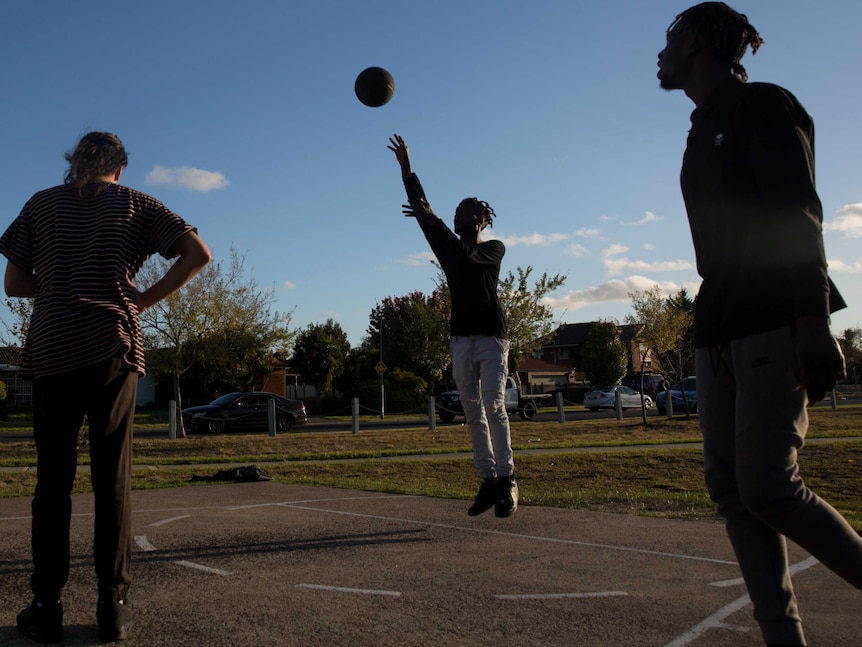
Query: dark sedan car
(244, 412)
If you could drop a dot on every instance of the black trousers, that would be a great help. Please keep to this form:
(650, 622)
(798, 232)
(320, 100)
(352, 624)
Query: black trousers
(105, 393)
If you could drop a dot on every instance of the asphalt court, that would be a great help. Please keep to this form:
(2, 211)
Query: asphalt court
(271, 564)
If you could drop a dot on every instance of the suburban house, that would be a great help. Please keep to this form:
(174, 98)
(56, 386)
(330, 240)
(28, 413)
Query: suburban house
(565, 350)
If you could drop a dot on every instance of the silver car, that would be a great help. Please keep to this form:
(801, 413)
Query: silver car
(604, 398)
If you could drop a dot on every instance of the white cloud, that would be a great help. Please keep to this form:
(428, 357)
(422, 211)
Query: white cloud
(534, 240)
(847, 221)
(183, 177)
(288, 285)
(587, 233)
(616, 264)
(841, 267)
(649, 217)
(615, 290)
(577, 250)
(415, 260)
(649, 247)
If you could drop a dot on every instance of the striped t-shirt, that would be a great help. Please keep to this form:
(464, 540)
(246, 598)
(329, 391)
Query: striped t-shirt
(85, 253)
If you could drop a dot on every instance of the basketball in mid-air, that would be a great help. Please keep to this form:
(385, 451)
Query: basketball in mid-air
(374, 87)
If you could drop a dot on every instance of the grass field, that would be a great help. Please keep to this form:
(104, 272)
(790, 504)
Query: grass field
(608, 465)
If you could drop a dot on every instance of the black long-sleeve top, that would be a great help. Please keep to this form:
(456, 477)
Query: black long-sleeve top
(748, 184)
(472, 272)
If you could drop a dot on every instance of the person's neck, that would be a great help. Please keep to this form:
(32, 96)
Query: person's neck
(704, 84)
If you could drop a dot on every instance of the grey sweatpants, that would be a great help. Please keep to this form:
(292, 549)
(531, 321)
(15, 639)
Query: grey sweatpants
(479, 366)
(753, 417)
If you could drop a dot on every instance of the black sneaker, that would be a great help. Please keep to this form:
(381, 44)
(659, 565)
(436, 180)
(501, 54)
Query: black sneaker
(114, 619)
(485, 498)
(507, 501)
(42, 622)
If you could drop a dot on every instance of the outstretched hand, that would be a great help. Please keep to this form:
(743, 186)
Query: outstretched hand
(418, 209)
(402, 154)
(819, 360)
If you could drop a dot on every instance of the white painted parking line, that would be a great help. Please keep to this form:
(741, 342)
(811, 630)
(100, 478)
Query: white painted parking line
(715, 621)
(341, 589)
(794, 568)
(561, 596)
(201, 567)
(172, 519)
(341, 498)
(557, 540)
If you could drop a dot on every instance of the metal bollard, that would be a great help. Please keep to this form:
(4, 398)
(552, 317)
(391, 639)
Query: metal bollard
(618, 405)
(355, 408)
(834, 400)
(561, 413)
(432, 414)
(172, 420)
(271, 417)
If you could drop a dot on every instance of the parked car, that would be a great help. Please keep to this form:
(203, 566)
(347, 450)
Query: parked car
(688, 385)
(244, 411)
(604, 398)
(449, 405)
(652, 383)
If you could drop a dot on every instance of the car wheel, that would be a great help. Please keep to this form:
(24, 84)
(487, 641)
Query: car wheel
(647, 403)
(446, 415)
(528, 411)
(662, 411)
(216, 426)
(284, 423)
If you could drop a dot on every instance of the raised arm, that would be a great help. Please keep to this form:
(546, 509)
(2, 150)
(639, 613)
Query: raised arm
(193, 257)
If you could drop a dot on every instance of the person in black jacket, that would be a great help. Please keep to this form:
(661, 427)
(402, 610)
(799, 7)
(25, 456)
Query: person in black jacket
(764, 350)
(478, 346)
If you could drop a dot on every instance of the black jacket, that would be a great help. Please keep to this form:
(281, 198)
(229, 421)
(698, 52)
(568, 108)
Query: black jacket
(748, 184)
(472, 272)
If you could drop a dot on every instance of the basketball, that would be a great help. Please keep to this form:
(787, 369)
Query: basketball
(374, 87)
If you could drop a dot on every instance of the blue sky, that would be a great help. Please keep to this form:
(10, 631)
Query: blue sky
(241, 118)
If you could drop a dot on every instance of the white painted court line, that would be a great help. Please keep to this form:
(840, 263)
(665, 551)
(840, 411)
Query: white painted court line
(716, 620)
(145, 545)
(201, 567)
(341, 589)
(794, 568)
(171, 520)
(569, 542)
(345, 498)
(561, 596)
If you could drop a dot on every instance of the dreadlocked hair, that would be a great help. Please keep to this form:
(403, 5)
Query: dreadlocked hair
(481, 209)
(726, 30)
(96, 155)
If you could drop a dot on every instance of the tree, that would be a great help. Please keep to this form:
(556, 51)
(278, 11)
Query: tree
(415, 333)
(21, 310)
(851, 346)
(604, 354)
(190, 327)
(320, 353)
(530, 322)
(664, 324)
(678, 362)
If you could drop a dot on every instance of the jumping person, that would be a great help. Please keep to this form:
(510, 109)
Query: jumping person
(75, 250)
(478, 346)
(764, 350)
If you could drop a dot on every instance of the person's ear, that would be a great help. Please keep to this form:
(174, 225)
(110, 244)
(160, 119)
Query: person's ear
(118, 173)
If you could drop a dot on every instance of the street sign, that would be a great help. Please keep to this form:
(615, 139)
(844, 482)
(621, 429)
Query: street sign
(381, 367)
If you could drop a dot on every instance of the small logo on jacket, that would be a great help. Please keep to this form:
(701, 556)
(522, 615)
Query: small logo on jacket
(760, 361)
(719, 139)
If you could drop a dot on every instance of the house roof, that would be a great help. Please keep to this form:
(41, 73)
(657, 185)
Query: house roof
(11, 355)
(535, 365)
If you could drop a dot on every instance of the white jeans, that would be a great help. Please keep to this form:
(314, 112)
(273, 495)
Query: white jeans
(480, 366)
(753, 416)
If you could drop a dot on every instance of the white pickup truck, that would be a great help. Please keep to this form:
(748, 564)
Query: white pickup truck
(448, 404)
